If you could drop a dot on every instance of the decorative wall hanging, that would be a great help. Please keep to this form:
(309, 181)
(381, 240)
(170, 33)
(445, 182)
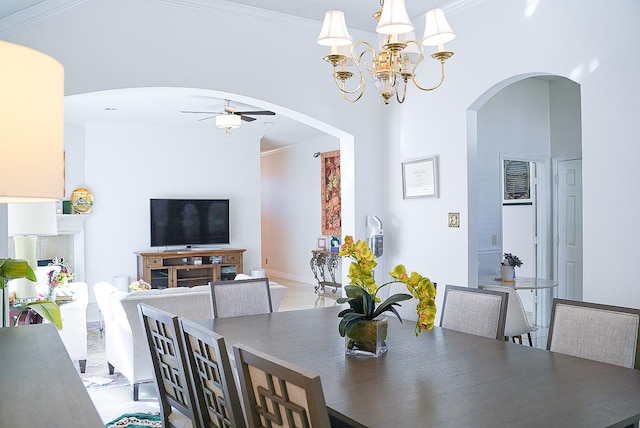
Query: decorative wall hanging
(517, 181)
(420, 178)
(330, 194)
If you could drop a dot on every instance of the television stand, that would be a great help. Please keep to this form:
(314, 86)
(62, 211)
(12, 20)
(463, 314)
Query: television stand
(188, 268)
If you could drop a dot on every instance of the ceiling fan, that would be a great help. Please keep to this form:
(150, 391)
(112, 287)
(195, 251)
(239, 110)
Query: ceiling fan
(231, 110)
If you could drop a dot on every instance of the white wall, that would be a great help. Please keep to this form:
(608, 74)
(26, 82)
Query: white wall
(291, 208)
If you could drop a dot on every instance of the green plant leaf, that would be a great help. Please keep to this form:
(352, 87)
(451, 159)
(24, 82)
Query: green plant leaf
(47, 310)
(387, 305)
(15, 268)
(348, 322)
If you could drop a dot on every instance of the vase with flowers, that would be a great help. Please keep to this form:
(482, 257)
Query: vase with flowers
(363, 324)
(508, 267)
(57, 277)
(139, 285)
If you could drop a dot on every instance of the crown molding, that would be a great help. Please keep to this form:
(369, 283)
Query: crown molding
(35, 14)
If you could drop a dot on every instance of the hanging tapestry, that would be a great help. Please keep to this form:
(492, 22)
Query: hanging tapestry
(330, 194)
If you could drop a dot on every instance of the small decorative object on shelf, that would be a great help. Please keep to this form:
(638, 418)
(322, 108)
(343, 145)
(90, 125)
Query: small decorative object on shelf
(361, 323)
(508, 267)
(139, 285)
(60, 275)
(335, 244)
(81, 201)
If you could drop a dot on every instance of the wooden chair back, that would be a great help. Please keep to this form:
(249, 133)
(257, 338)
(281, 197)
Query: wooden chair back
(211, 376)
(279, 394)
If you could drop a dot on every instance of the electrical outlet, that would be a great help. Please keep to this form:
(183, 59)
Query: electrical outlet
(494, 239)
(454, 219)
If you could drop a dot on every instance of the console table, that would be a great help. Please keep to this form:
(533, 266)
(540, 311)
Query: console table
(189, 268)
(321, 259)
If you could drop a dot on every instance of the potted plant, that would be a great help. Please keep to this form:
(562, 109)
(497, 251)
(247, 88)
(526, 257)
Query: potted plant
(15, 268)
(360, 323)
(508, 267)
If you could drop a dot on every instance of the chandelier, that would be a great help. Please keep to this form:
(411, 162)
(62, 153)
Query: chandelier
(399, 55)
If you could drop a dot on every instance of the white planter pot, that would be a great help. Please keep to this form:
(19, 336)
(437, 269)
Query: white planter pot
(508, 273)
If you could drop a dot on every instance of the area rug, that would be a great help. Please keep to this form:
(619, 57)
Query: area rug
(97, 374)
(136, 420)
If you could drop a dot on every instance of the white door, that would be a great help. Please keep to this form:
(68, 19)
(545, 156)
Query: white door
(569, 229)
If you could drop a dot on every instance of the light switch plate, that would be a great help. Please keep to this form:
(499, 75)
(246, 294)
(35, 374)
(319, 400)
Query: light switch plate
(454, 219)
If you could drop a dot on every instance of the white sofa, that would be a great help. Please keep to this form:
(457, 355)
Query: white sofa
(126, 347)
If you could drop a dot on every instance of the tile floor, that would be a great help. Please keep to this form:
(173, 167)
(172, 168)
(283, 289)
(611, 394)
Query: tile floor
(111, 403)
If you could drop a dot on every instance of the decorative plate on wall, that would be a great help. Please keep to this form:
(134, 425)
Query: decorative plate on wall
(81, 201)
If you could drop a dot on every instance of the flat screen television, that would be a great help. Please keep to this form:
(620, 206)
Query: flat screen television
(189, 222)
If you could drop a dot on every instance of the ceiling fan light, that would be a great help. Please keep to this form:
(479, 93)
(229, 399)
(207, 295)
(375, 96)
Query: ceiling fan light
(436, 29)
(228, 121)
(394, 18)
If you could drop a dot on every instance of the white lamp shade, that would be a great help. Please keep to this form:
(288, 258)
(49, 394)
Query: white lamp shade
(394, 18)
(31, 135)
(229, 121)
(37, 219)
(334, 30)
(436, 29)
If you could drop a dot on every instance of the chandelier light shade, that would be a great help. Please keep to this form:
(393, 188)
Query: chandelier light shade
(334, 30)
(396, 61)
(31, 125)
(228, 121)
(394, 18)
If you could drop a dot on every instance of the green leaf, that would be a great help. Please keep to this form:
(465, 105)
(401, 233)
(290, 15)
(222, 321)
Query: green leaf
(47, 310)
(15, 268)
(348, 322)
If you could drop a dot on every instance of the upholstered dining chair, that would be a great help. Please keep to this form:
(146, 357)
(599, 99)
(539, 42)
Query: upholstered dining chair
(211, 376)
(474, 311)
(277, 393)
(604, 333)
(178, 405)
(517, 323)
(241, 297)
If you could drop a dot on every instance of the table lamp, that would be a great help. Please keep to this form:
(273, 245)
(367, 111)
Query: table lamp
(25, 223)
(31, 131)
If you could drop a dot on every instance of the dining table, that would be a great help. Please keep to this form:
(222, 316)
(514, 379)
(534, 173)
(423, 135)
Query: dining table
(441, 377)
(39, 385)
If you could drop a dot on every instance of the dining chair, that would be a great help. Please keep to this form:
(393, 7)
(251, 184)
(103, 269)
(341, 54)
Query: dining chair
(517, 322)
(277, 393)
(178, 405)
(593, 331)
(211, 376)
(240, 297)
(474, 311)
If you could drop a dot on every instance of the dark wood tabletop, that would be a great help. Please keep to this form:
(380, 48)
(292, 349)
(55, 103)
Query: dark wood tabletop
(442, 377)
(39, 385)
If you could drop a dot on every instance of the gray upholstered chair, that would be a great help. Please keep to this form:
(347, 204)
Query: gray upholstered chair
(517, 323)
(277, 393)
(596, 332)
(211, 377)
(242, 297)
(474, 311)
(178, 405)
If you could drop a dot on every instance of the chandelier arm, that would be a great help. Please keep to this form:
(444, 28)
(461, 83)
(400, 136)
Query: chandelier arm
(404, 92)
(413, 78)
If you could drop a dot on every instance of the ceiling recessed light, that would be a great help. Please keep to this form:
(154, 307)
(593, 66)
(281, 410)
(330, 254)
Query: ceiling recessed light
(110, 108)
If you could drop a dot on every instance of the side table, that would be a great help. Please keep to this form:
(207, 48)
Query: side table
(321, 259)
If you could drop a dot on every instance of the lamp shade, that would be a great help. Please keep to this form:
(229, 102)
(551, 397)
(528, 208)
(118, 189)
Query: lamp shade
(31, 125)
(334, 30)
(436, 29)
(229, 121)
(394, 18)
(32, 219)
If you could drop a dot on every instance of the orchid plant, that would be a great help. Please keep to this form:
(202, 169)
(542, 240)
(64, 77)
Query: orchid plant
(362, 291)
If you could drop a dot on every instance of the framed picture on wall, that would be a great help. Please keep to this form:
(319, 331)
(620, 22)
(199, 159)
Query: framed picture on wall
(322, 243)
(330, 191)
(420, 178)
(516, 184)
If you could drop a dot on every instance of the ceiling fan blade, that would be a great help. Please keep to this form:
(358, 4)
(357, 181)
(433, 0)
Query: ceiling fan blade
(257, 113)
(202, 112)
(246, 118)
(206, 118)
